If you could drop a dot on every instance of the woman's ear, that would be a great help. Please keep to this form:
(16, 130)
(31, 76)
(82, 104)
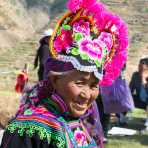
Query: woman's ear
(54, 80)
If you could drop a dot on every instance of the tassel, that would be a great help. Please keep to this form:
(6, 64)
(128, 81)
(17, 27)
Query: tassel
(21, 80)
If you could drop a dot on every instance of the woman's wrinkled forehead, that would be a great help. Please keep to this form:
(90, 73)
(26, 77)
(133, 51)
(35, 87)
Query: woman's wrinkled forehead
(79, 75)
(56, 66)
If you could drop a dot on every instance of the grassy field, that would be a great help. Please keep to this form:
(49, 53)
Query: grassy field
(140, 140)
(11, 62)
(9, 102)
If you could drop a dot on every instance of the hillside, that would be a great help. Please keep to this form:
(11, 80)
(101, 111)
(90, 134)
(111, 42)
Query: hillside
(18, 21)
(21, 19)
(22, 22)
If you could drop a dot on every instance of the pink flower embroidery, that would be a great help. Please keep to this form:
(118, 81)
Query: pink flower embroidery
(74, 5)
(63, 41)
(80, 137)
(82, 27)
(107, 39)
(91, 47)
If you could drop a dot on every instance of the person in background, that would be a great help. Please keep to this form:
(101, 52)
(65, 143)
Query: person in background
(122, 120)
(42, 53)
(139, 87)
(59, 111)
(105, 116)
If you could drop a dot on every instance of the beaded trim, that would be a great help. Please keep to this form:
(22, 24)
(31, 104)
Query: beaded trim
(41, 124)
(43, 131)
(80, 67)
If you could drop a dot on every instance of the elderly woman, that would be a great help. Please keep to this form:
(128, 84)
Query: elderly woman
(88, 49)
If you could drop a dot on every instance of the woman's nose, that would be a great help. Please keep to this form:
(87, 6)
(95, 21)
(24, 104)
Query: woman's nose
(86, 94)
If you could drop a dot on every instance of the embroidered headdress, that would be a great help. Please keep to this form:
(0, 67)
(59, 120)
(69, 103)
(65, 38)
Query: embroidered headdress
(92, 39)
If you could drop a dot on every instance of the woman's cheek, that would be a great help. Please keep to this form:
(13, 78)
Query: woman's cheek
(75, 89)
(96, 93)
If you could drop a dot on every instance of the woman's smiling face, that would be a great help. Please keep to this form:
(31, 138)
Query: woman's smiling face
(78, 90)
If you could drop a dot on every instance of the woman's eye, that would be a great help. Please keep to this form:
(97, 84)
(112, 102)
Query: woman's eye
(95, 86)
(80, 83)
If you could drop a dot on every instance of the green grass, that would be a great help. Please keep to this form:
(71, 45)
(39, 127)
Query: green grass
(140, 140)
(138, 113)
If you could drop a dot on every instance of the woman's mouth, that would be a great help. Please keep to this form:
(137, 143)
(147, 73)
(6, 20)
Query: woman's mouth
(80, 106)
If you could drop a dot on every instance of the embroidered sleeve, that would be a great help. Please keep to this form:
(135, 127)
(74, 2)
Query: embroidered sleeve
(46, 130)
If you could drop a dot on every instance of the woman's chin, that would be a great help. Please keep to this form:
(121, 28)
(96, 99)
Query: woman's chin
(77, 110)
(78, 113)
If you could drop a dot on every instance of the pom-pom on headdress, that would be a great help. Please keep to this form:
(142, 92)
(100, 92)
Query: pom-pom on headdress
(92, 39)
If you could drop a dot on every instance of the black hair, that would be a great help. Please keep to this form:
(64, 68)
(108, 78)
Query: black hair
(144, 61)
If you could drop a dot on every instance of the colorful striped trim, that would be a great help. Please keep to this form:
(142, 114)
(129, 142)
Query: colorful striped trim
(52, 123)
(74, 124)
(46, 129)
(60, 103)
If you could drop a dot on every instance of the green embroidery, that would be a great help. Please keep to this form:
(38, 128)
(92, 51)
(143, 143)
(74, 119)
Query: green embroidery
(105, 54)
(67, 20)
(84, 57)
(75, 51)
(29, 129)
(103, 60)
(21, 131)
(61, 143)
(28, 112)
(59, 31)
(78, 36)
(66, 27)
(98, 64)
(61, 119)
